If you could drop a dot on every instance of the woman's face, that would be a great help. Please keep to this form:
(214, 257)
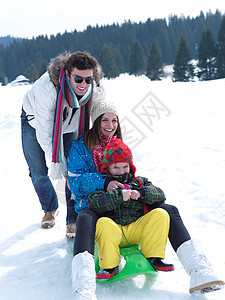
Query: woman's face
(109, 124)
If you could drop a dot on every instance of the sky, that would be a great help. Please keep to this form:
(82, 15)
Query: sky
(28, 19)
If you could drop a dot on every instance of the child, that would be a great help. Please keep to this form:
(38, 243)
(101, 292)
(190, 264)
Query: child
(126, 219)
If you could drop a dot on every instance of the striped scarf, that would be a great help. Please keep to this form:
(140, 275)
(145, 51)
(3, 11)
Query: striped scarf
(66, 93)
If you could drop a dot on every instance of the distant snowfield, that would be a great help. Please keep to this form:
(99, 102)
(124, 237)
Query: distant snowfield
(176, 132)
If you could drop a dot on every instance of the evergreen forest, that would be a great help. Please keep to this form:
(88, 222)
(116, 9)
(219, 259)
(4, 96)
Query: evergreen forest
(135, 48)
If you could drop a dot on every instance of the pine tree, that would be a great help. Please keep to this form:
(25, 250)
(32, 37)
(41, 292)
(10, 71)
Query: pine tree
(206, 56)
(137, 59)
(32, 73)
(220, 59)
(107, 61)
(119, 61)
(183, 69)
(2, 78)
(43, 67)
(154, 64)
(12, 64)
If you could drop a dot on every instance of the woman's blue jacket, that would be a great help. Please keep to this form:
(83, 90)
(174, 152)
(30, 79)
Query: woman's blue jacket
(82, 174)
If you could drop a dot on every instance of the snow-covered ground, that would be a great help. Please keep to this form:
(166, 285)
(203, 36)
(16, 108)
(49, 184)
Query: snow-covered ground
(176, 132)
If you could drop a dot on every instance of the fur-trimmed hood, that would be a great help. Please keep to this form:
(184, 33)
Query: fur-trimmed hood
(56, 64)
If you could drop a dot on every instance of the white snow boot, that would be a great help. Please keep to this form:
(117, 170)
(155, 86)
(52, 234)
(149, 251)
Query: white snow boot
(202, 277)
(84, 276)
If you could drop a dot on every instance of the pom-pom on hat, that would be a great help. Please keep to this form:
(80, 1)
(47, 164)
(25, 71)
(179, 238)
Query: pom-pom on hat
(103, 107)
(115, 152)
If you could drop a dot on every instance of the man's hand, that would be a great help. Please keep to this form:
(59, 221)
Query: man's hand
(67, 181)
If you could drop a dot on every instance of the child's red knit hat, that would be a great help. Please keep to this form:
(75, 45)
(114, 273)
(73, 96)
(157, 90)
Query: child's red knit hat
(115, 152)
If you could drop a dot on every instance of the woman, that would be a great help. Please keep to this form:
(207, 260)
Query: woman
(84, 162)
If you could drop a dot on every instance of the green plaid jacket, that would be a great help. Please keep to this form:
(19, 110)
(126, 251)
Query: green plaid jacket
(111, 204)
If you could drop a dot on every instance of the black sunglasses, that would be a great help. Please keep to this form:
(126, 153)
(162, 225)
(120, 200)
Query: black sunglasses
(79, 79)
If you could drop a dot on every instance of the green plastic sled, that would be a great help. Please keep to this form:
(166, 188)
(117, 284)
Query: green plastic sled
(136, 264)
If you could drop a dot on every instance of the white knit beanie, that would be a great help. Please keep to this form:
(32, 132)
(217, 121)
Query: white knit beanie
(102, 107)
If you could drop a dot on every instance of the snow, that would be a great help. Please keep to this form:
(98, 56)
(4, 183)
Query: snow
(176, 132)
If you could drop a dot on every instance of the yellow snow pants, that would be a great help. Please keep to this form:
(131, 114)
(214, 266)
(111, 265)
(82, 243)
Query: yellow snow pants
(150, 231)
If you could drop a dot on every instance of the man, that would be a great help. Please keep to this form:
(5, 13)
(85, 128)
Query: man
(55, 111)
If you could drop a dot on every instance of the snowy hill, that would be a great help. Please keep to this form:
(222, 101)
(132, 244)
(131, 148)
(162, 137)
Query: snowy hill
(176, 132)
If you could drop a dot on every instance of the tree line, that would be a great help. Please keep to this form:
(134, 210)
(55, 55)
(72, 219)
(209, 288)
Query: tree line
(135, 48)
(210, 57)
